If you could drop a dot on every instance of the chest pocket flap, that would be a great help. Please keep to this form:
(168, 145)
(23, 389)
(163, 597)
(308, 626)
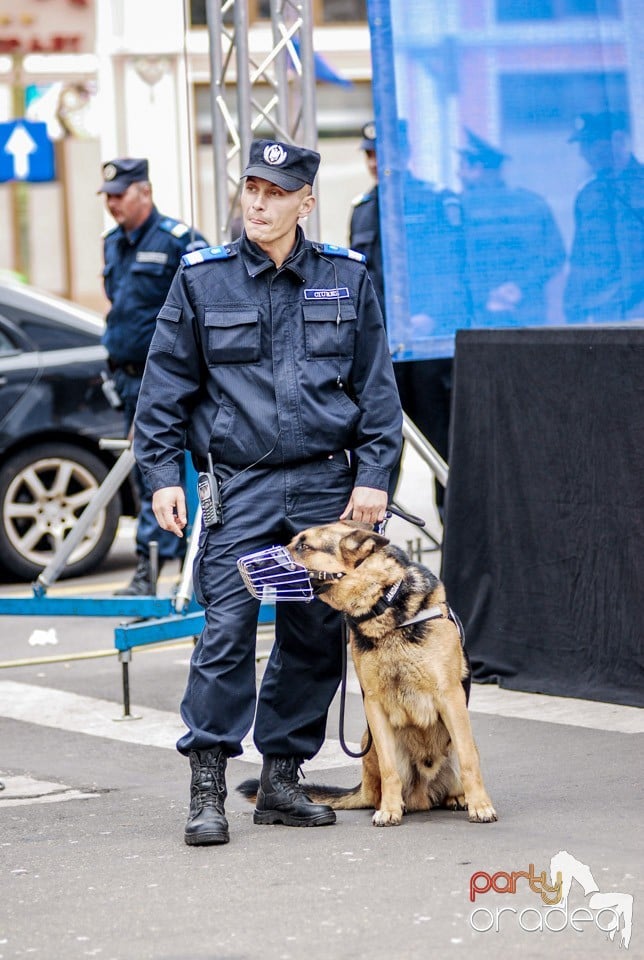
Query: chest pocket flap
(232, 336)
(324, 336)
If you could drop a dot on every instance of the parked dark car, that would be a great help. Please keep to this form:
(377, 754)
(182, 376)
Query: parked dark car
(53, 411)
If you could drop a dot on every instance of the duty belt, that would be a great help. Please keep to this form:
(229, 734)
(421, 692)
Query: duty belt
(201, 463)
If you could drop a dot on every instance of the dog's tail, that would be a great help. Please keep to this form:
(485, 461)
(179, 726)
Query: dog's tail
(339, 798)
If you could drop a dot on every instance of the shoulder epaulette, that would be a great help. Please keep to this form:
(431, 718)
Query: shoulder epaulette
(175, 227)
(331, 250)
(361, 198)
(208, 253)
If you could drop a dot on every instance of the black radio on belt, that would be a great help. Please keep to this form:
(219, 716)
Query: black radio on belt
(209, 493)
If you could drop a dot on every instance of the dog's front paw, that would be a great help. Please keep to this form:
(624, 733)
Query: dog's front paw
(387, 818)
(482, 812)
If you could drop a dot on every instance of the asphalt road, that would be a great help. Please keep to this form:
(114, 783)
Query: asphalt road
(93, 864)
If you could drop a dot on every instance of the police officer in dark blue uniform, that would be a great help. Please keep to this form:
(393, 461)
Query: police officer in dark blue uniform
(606, 279)
(364, 226)
(512, 241)
(270, 353)
(434, 238)
(141, 253)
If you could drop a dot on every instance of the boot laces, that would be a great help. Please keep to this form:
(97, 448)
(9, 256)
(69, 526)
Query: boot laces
(209, 781)
(286, 772)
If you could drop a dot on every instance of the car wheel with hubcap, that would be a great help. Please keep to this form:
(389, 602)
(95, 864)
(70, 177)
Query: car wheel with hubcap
(43, 492)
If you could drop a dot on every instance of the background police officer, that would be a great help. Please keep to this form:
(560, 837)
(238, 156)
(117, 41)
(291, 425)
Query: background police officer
(364, 225)
(512, 241)
(434, 237)
(606, 279)
(271, 353)
(141, 253)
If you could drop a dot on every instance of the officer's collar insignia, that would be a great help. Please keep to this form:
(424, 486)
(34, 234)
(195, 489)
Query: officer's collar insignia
(109, 171)
(275, 154)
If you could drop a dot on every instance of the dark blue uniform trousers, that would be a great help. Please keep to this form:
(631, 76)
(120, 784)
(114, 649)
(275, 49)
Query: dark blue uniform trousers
(263, 508)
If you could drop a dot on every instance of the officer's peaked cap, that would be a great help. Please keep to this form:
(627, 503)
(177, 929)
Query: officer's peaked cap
(590, 127)
(478, 150)
(119, 174)
(368, 136)
(283, 164)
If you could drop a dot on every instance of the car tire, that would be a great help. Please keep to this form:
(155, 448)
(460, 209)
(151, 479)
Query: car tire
(43, 491)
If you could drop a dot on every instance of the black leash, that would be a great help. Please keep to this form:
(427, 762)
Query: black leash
(343, 698)
(379, 527)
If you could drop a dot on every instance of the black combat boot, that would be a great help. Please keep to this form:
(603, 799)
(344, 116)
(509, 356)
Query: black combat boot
(281, 798)
(207, 823)
(141, 583)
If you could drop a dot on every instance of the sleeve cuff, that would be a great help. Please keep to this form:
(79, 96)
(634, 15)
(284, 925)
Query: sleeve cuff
(369, 476)
(169, 476)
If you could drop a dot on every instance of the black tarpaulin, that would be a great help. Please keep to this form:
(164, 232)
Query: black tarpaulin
(543, 552)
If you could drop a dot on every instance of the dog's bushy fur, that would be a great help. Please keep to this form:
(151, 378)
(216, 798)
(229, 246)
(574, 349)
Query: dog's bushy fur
(423, 753)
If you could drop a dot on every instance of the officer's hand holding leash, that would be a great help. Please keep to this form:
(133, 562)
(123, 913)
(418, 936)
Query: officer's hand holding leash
(169, 505)
(366, 505)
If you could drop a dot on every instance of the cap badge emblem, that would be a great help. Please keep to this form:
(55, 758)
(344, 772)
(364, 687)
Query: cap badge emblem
(109, 171)
(274, 154)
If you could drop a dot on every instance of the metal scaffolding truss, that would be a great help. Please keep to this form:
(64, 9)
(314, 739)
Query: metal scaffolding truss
(287, 71)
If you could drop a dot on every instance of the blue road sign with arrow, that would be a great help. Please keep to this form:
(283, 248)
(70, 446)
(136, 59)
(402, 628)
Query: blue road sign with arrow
(26, 152)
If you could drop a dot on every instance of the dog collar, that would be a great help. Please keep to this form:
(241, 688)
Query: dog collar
(381, 606)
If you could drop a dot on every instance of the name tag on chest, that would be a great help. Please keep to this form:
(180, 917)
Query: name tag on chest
(337, 293)
(151, 256)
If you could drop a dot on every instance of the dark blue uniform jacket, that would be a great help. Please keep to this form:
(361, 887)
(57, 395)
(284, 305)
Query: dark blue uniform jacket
(278, 366)
(364, 236)
(137, 275)
(606, 280)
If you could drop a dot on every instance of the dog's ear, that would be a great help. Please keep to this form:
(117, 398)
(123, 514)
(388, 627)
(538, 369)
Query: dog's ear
(360, 544)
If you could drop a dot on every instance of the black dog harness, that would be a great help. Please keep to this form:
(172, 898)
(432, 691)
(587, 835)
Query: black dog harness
(435, 613)
(387, 601)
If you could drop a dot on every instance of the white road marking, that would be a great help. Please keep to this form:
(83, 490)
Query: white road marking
(96, 718)
(487, 698)
(490, 699)
(22, 790)
(58, 709)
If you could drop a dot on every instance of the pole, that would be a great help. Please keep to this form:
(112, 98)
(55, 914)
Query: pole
(425, 450)
(219, 130)
(19, 195)
(184, 590)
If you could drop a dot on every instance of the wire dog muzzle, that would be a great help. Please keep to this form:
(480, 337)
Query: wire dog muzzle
(273, 575)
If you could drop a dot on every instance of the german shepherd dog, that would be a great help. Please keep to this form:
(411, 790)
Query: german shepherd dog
(408, 655)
